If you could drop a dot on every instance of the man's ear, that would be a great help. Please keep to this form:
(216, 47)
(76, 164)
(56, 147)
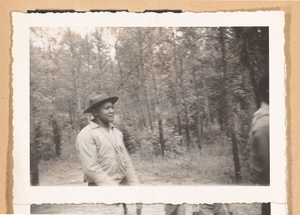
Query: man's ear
(94, 112)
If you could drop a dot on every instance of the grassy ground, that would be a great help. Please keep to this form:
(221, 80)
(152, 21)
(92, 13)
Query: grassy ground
(148, 209)
(213, 166)
(61, 173)
(192, 168)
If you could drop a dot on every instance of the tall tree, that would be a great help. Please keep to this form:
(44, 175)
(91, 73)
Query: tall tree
(229, 111)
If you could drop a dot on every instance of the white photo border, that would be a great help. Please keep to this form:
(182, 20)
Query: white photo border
(25, 194)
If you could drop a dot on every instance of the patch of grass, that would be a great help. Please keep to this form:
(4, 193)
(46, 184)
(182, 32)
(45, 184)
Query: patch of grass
(213, 165)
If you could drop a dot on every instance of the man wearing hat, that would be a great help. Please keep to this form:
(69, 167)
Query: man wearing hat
(104, 158)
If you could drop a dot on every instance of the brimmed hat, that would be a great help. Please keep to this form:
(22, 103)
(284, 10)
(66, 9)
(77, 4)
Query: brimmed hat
(97, 98)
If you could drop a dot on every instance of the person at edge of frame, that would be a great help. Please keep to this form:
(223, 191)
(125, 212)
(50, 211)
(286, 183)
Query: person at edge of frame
(104, 158)
(260, 142)
(259, 138)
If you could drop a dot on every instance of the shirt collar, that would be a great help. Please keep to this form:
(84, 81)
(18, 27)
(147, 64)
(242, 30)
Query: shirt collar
(95, 125)
(265, 106)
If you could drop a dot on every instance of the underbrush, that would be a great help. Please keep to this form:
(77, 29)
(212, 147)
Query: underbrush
(182, 165)
(213, 165)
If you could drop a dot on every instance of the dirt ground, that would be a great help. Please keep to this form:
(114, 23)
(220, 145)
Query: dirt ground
(69, 173)
(61, 173)
(208, 168)
(150, 209)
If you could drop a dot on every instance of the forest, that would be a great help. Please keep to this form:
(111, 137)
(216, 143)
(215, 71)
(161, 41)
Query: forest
(186, 98)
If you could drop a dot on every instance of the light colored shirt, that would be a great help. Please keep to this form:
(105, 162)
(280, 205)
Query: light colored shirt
(260, 146)
(104, 158)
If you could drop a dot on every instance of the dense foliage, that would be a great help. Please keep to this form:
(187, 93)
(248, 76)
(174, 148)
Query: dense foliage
(180, 88)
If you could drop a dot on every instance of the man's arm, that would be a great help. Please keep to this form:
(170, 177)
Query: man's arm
(87, 153)
(260, 156)
(131, 177)
(262, 141)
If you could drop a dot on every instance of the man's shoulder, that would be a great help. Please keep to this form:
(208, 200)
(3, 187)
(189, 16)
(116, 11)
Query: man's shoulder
(118, 131)
(85, 131)
(261, 123)
(261, 118)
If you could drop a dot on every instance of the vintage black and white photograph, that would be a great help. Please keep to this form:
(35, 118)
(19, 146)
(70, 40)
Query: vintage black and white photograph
(149, 106)
(154, 209)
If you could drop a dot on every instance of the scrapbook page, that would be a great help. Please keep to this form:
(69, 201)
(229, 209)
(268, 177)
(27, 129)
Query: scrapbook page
(149, 113)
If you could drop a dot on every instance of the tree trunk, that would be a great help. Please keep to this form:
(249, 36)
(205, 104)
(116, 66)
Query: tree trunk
(235, 153)
(250, 70)
(187, 127)
(99, 71)
(229, 111)
(207, 107)
(199, 130)
(188, 138)
(176, 82)
(121, 103)
(202, 127)
(157, 109)
(90, 79)
(34, 157)
(143, 120)
(149, 108)
(178, 122)
(70, 112)
(55, 126)
(198, 103)
(161, 133)
(56, 137)
(78, 98)
(34, 154)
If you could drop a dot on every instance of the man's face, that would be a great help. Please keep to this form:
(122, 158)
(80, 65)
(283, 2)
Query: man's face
(105, 112)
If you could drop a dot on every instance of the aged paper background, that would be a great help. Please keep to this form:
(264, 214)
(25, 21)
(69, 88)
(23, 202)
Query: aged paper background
(292, 52)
